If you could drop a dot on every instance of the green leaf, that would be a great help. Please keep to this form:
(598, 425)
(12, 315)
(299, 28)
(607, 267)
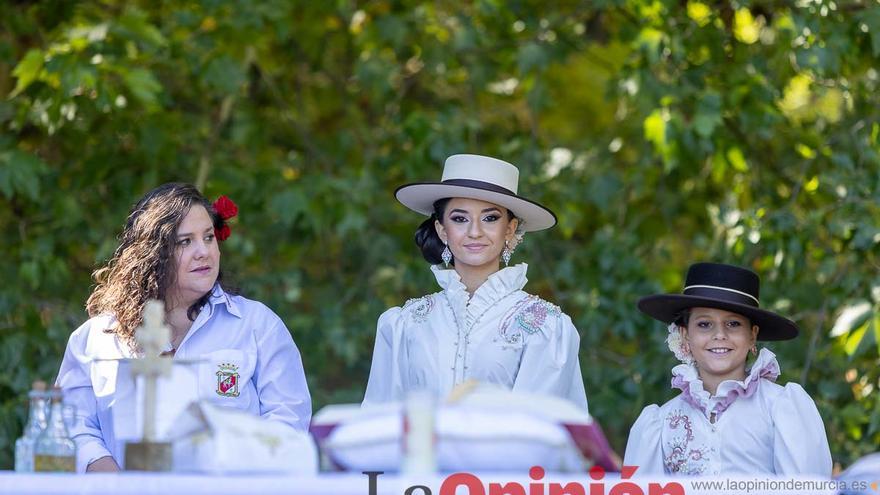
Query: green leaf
(82, 36)
(138, 25)
(855, 338)
(29, 271)
(796, 97)
(805, 151)
(224, 74)
(655, 128)
(746, 28)
(811, 185)
(699, 12)
(531, 57)
(877, 332)
(650, 39)
(737, 160)
(27, 71)
(20, 174)
(708, 114)
(143, 85)
(850, 317)
(871, 19)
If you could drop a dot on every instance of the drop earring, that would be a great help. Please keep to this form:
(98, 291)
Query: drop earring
(506, 253)
(446, 256)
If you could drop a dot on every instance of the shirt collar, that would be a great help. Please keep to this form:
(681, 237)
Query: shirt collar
(219, 296)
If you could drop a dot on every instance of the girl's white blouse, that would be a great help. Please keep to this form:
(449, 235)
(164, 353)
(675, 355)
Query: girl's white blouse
(500, 335)
(760, 428)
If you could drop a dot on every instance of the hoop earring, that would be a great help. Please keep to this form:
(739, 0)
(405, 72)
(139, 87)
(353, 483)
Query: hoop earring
(446, 256)
(506, 253)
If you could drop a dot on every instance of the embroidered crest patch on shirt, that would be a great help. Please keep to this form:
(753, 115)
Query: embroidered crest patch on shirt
(227, 380)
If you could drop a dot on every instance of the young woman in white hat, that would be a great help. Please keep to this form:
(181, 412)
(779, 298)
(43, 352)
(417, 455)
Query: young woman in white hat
(481, 326)
(728, 418)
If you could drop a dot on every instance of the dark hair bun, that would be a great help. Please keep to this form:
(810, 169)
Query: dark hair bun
(429, 242)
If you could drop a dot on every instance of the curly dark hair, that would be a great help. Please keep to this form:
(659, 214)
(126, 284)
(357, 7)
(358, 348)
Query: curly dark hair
(143, 265)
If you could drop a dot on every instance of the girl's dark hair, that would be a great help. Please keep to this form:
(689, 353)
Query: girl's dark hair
(683, 317)
(143, 265)
(426, 235)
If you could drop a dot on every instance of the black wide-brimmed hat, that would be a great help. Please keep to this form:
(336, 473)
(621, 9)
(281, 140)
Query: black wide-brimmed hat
(727, 287)
(478, 177)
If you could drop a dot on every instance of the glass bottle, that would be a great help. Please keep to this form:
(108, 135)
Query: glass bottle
(36, 423)
(54, 449)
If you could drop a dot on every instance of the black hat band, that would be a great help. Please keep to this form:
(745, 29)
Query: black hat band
(722, 293)
(478, 184)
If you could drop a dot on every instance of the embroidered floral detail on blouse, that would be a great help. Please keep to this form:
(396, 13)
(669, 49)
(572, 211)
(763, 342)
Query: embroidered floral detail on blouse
(529, 316)
(682, 457)
(420, 307)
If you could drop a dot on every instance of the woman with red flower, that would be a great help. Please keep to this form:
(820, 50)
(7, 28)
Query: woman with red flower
(169, 250)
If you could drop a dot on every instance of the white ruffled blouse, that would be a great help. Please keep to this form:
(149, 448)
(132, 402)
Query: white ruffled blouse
(760, 427)
(500, 335)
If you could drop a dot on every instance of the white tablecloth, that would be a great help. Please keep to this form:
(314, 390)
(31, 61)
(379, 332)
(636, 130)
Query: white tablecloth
(342, 484)
(171, 484)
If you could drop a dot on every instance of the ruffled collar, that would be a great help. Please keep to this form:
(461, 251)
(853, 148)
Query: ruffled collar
(686, 378)
(468, 309)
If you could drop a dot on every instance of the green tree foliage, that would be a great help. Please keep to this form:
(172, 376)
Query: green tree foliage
(662, 132)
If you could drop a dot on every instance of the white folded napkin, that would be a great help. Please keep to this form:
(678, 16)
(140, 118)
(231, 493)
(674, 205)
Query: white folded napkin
(213, 439)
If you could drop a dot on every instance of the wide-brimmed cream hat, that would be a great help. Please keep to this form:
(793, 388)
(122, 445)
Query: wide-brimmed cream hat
(478, 177)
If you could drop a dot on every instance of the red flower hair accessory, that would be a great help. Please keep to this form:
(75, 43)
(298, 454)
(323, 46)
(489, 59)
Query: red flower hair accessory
(226, 209)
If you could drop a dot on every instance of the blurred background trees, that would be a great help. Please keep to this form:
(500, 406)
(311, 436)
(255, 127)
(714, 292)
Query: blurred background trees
(662, 132)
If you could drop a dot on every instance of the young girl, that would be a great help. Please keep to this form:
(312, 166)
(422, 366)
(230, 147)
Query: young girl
(728, 419)
(482, 326)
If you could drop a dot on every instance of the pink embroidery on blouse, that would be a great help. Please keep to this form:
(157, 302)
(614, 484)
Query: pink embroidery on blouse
(682, 457)
(528, 316)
